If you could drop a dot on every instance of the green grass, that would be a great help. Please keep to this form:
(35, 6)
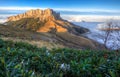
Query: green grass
(24, 60)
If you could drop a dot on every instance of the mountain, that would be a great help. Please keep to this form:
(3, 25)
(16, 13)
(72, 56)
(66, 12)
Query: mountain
(47, 25)
(44, 21)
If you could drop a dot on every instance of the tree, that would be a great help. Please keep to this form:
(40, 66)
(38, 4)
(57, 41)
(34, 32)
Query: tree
(111, 34)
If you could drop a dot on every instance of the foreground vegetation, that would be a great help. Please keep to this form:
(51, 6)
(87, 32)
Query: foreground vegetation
(24, 60)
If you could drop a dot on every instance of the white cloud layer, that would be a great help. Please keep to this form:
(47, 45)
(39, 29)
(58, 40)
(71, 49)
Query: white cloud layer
(62, 9)
(89, 18)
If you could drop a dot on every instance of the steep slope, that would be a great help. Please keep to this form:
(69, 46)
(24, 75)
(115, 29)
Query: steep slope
(44, 21)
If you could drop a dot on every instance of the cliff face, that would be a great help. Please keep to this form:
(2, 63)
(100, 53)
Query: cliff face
(43, 15)
(47, 21)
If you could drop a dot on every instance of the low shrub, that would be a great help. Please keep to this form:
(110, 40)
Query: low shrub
(24, 60)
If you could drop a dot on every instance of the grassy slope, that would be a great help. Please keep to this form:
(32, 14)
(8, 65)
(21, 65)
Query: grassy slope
(27, 23)
(79, 42)
(53, 40)
(24, 60)
(39, 39)
(65, 38)
(10, 31)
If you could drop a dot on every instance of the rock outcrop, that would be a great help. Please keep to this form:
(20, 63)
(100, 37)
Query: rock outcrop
(48, 20)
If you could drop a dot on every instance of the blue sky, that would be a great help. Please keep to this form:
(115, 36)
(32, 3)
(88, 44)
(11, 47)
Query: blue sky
(97, 4)
(107, 7)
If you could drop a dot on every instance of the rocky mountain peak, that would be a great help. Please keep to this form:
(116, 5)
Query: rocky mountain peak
(43, 15)
(44, 21)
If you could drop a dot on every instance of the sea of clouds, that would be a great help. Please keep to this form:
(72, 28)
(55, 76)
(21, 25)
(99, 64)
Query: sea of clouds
(89, 18)
(99, 35)
(72, 18)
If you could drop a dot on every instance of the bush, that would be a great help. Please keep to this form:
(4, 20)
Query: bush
(2, 44)
(24, 60)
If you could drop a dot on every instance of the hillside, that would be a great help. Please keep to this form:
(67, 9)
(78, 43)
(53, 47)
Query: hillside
(47, 25)
(49, 40)
(34, 38)
(24, 60)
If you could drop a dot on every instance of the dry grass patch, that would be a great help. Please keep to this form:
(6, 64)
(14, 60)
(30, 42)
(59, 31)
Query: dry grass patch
(40, 43)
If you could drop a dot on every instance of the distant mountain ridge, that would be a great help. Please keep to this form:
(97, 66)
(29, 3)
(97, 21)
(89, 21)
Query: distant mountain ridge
(44, 21)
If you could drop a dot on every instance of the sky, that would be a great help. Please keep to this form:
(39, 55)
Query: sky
(64, 4)
(88, 4)
(73, 8)
(100, 7)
